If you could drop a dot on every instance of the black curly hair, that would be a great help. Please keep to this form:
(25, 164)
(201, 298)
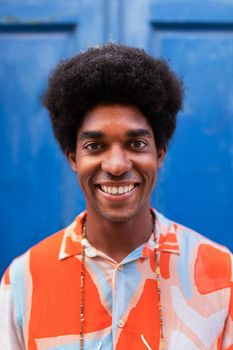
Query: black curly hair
(112, 74)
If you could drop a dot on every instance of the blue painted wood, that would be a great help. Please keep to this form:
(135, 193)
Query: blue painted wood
(37, 11)
(136, 22)
(32, 166)
(208, 11)
(198, 189)
(114, 20)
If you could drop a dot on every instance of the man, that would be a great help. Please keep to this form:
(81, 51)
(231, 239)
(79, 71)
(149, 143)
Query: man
(121, 276)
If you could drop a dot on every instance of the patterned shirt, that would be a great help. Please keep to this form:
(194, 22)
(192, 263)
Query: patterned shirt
(40, 294)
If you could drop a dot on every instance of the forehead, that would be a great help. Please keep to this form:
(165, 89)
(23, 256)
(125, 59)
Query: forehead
(114, 118)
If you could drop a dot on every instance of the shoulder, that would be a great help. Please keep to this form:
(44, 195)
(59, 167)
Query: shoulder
(202, 245)
(187, 237)
(210, 263)
(45, 254)
(41, 253)
(48, 248)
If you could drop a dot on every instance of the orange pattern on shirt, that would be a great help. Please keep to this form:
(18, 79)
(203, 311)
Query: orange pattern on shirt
(212, 269)
(57, 281)
(145, 314)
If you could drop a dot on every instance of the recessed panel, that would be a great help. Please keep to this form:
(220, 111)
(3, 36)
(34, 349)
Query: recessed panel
(32, 166)
(196, 184)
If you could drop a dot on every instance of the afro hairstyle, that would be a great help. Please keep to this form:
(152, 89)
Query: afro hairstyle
(112, 74)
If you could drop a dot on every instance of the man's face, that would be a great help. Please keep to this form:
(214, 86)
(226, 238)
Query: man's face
(116, 162)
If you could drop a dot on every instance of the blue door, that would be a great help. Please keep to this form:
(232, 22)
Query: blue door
(39, 194)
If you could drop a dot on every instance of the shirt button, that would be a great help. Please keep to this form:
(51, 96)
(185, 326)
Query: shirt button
(121, 323)
(120, 267)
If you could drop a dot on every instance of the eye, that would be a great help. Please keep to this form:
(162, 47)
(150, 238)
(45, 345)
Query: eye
(94, 147)
(138, 145)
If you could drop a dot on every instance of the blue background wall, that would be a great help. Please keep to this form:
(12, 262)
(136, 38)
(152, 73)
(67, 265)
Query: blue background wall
(39, 194)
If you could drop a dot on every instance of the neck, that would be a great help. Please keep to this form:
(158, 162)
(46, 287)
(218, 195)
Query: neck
(118, 239)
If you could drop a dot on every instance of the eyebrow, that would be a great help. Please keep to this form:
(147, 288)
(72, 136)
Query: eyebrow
(93, 134)
(138, 133)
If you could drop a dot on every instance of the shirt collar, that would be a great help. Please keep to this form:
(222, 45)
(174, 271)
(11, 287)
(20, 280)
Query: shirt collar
(166, 231)
(71, 241)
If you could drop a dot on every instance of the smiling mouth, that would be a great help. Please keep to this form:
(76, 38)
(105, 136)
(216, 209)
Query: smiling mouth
(117, 190)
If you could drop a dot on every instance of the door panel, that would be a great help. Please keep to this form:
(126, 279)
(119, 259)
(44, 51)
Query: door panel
(32, 162)
(198, 171)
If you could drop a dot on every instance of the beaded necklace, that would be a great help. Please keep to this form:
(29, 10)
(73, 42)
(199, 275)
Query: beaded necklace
(82, 289)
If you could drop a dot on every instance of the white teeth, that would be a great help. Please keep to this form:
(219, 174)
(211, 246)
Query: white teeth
(117, 190)
(120, 190)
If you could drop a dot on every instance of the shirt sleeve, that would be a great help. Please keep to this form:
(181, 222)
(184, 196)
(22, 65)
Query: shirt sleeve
(11, 337)
(227, 340)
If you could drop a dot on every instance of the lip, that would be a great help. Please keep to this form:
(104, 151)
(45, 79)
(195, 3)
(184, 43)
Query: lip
(116, 184)
(119, 197)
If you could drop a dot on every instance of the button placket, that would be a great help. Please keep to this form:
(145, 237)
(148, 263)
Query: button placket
(117, 311)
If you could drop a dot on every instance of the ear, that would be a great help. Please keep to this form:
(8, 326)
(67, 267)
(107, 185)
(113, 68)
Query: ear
(71, 156)
(161, 156)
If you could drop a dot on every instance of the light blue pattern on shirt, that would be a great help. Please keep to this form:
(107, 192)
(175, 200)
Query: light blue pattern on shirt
(187, 243)
(127, 280)
(19, 292)
(106, 344)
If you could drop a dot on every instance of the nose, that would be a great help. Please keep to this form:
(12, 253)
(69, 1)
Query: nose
(116, 162)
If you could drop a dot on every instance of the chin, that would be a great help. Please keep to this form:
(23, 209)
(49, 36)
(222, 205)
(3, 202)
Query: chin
(118, 215)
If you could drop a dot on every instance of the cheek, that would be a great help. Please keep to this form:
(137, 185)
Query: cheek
(149, 169)
(148, 165)
(83, 165)
(86, 168)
